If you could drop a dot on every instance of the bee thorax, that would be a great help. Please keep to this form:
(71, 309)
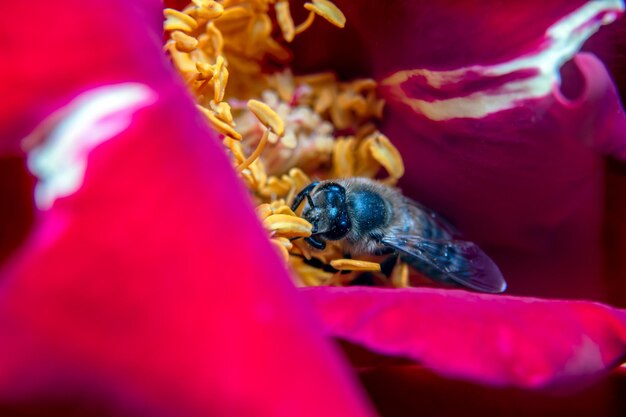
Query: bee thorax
(368, 209)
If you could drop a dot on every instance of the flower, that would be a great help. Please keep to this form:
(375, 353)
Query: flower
(126, 296)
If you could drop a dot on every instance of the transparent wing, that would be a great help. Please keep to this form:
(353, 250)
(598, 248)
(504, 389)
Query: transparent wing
(437, 221)
(460, 261)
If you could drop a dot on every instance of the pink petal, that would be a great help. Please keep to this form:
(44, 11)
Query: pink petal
(147, 285)
(52, 52)
(415, 388)
(16, 211)
(153, 287)
(525, 161)
(494, 340)
(533, 174)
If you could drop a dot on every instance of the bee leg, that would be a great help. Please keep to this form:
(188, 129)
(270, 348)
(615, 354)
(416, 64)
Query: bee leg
(386, 266)
(316, 243)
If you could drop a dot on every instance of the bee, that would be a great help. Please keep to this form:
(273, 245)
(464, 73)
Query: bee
(368, 217)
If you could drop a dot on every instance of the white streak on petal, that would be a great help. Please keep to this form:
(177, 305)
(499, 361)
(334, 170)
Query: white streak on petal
(563, 40)
(89, 120)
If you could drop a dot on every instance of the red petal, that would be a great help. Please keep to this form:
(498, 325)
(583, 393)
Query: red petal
(415, 388)
(52, 52)
(533, 174)
(151, 288)
(495, 340)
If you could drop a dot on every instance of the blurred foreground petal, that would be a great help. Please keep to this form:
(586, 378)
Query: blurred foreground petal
(149, 287)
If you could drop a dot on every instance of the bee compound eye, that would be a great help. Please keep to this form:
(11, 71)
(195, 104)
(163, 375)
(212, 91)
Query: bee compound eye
(339, 228)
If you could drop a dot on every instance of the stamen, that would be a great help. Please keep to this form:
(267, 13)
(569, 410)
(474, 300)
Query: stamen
(267, 116)
(257, 152)
(354, 265)
(285, 21)
(176, 20)
(328, 11)
(184, 42)
(288, 226)
(306, 24)
(400, 275)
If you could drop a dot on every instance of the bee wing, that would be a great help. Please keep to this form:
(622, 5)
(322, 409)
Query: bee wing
(458, 260)
(435, 218)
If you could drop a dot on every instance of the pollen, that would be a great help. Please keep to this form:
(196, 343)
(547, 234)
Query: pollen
(282, 131)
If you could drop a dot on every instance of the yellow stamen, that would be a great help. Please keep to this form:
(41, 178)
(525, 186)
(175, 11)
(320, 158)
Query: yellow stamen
(175, 20)
(288, 226)
(354, 265)
(343, 157)
(219, 79)
(208, 9)
(286, 243)
(400, 275)
(328, 11)
(184, 42)
(305, 25)
(264, 211)
(257, 152)
(388, 156)
(267, 116)
(285, 210)
(235, 147)
(285, 21)
(234, 19)
(223, 111)
(219, 125)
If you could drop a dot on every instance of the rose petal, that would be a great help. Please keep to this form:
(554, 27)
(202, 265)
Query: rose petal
(130, 295)
(494, 340)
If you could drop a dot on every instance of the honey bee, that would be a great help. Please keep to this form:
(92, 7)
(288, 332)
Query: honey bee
(367, 217)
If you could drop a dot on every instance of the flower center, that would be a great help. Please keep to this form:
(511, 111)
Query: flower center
(281, 130)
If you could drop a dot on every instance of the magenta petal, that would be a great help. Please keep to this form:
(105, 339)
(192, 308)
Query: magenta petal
(599, 104)
(66, 48)
(496, 340)
(147, 285)
(150, 286)
(526, 182)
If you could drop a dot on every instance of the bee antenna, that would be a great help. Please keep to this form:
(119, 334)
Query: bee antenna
(304, 193)
(310, 200)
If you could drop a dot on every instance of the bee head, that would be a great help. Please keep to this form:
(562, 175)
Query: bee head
(326, 210)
